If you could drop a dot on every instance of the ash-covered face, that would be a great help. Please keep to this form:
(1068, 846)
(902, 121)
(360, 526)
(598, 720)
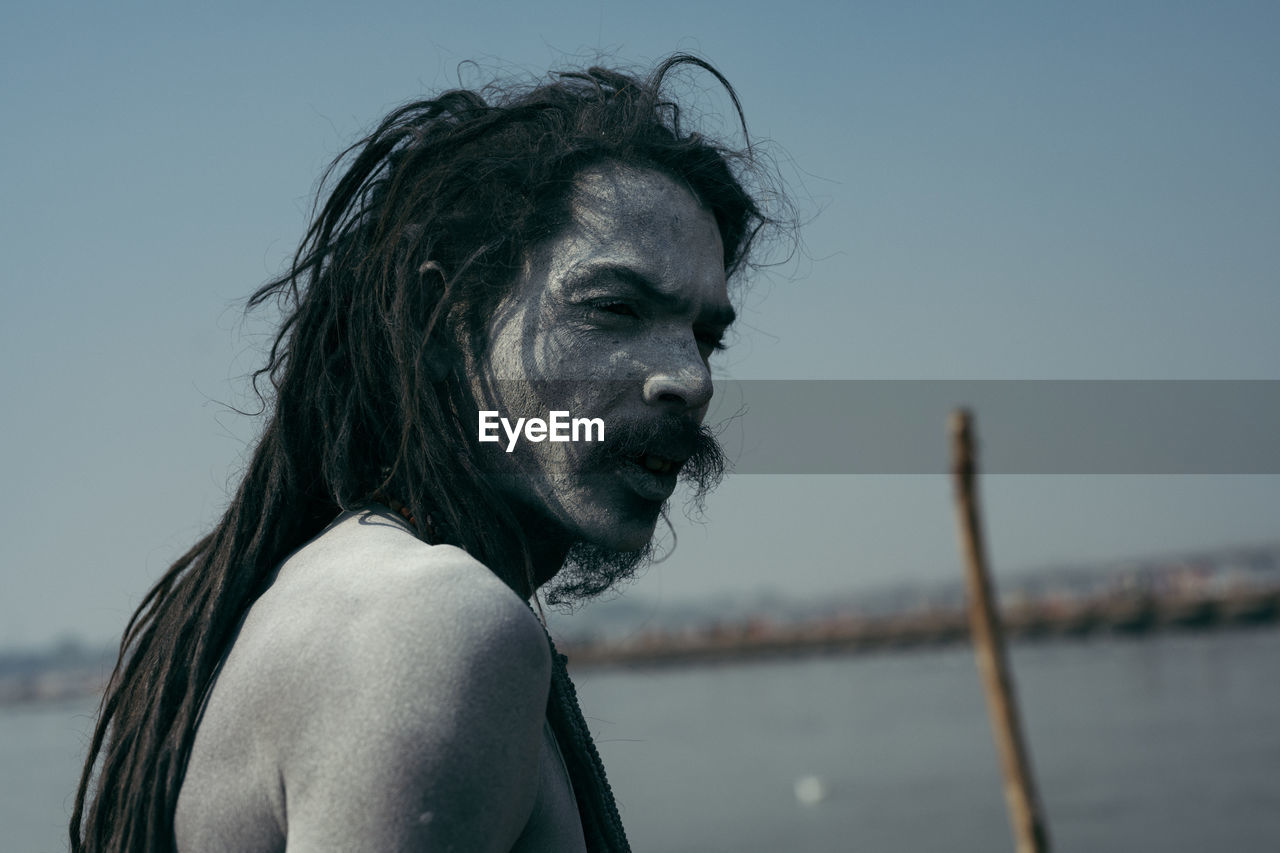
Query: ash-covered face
(615, 318)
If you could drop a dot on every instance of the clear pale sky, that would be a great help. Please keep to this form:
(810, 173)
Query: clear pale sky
(997, 191)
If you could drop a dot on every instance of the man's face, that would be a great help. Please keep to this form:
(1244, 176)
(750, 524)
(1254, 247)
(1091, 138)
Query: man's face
(614, 318)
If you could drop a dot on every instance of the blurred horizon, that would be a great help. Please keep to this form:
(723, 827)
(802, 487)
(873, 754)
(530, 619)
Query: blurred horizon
(1203, 574)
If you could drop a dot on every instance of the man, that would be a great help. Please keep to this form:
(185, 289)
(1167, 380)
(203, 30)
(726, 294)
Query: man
(349, 660)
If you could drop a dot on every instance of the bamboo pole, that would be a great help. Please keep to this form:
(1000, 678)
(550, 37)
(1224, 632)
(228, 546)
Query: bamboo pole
(1030, 831)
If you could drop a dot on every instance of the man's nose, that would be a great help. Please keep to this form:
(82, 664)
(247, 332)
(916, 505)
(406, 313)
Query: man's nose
(684, 385)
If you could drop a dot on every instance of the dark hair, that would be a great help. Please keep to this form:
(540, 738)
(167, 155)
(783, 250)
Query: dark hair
(416, 243)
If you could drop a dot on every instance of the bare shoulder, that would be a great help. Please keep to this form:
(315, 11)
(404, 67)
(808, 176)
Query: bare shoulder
(395, 692)
(370, 588)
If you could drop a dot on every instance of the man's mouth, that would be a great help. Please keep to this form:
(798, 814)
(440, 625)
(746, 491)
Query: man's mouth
(659, 464)
(651, 476)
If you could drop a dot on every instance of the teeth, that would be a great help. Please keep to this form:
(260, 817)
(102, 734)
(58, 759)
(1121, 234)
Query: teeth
(658, 465)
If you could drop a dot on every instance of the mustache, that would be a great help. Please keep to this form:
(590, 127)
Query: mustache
(670, 436)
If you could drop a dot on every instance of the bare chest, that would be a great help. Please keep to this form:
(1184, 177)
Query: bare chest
(554, 823)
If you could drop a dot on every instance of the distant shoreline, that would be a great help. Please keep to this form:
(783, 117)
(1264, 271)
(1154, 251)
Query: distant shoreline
(1052, 617)
(67, 676)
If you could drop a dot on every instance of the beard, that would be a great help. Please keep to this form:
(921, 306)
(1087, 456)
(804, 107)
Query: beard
(589, 569)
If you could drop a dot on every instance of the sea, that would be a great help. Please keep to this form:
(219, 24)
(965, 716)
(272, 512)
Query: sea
(1167, 742)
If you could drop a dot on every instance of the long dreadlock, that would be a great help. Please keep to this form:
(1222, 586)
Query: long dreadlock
(424, 226)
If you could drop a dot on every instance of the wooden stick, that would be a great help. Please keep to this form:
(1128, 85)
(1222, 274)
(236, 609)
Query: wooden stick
(1029, 829)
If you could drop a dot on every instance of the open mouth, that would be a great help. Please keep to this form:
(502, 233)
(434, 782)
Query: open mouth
(651, 476)
(659, 464)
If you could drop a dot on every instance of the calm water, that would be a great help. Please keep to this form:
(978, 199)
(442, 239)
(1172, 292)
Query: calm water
(1169, 743)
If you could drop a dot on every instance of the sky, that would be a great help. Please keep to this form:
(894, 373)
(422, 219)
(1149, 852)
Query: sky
(988, 190)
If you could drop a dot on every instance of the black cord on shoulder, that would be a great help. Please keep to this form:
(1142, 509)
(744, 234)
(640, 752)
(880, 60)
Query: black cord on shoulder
(601, 823)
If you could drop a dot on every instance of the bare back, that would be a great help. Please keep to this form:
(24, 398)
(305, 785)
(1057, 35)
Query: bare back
(382, 694)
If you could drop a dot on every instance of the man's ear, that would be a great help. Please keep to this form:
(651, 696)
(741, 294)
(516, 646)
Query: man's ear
(440, 355)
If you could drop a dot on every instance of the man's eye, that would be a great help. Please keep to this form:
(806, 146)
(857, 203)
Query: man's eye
(622, 309)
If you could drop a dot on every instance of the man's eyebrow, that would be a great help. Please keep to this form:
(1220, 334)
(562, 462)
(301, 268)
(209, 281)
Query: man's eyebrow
(720, 314)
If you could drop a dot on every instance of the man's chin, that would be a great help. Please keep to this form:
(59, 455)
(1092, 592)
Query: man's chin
(613, 553)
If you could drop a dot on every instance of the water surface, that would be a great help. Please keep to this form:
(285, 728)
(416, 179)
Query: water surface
(1168, 743)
